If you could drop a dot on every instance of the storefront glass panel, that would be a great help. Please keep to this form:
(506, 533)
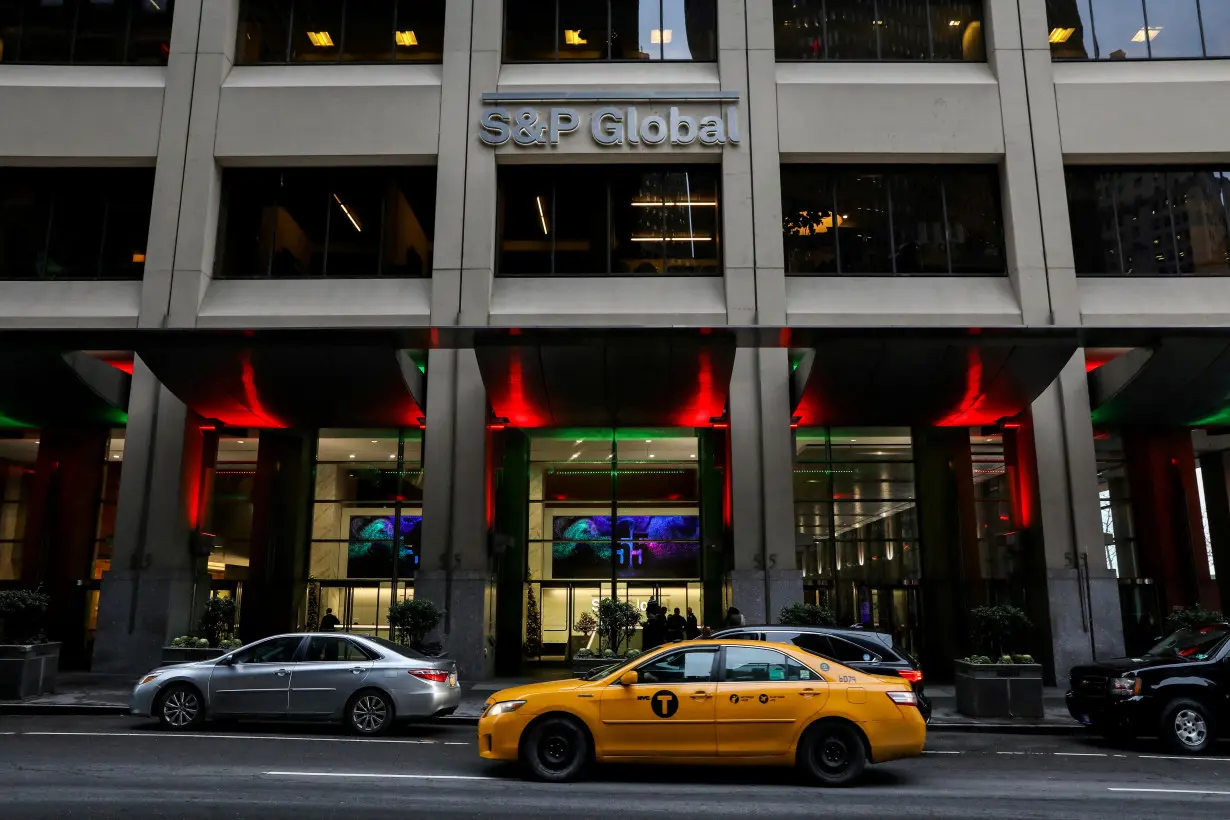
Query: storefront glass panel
(17, 458)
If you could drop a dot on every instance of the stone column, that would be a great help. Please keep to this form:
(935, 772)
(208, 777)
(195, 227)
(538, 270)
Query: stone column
(61, 529)
(282, 494)
(738, 248)
(156, 587)
(1085, 621)
(455, 570)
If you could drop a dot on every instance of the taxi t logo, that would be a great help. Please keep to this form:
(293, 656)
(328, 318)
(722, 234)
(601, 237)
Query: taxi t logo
(664, 704)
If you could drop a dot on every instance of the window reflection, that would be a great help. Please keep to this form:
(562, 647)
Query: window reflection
(922, 221)
(581, 221)
(879, 30)
(1129, 222)
(353, 222)
(99, 32)
(595, 30)
(78, 224)
(331, 31)
(1138, 29)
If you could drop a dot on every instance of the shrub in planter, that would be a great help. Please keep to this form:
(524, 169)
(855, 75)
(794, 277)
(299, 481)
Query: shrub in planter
(999, 684)
(217, 620)
(228, 644)
(411, 620)
(585, 653)
(617, 620)
(608, 653)
(633, 653)
(798, 614)
(23, 616)
(1193, 618)
(993, 627)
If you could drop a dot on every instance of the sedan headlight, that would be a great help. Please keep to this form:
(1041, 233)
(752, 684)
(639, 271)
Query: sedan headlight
(1124, 687)
(151, 676)
(503, 707)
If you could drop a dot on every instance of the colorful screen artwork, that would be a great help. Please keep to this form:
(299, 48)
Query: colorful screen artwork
(646, 546)
(370, 552)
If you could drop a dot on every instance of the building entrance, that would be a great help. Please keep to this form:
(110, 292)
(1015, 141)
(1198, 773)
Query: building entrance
(564, 603)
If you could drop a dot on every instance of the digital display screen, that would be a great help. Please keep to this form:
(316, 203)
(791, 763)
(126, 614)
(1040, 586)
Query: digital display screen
(645, 546)
(370, 552)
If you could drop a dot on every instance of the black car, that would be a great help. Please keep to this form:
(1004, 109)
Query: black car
(866, 651)
(1179, 691)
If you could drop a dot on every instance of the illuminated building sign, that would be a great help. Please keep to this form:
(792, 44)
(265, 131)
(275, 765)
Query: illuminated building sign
(370, 551)
(508, 119)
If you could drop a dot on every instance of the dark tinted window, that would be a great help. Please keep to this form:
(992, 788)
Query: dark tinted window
(812, 642)
(600, 220)
(930, 221)
(343, 222)
(589, 30)
(395, 648)
(847, 652)
(333, 650)
(889, 30)
(1138, 29)
(331, 31)
(74, 224)
(274, 650)
(1150, 222)
(85, 31)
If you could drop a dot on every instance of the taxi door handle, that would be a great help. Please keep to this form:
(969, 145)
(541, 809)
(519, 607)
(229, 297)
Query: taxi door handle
(281, 673)
(701, 696)
(809, 693)
(358, 670)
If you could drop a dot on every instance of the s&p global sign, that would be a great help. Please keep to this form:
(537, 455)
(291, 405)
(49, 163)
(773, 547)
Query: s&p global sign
(714, 125)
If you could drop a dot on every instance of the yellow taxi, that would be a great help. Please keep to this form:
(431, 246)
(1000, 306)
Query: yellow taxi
(723, 702)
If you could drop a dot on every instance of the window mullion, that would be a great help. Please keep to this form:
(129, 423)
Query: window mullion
(947, 227)
(341, 52)
(836, 225)
(892, 234)
(290, 33)
(1204, 46)
(324, 265)
(1144, 9)
(126, 56)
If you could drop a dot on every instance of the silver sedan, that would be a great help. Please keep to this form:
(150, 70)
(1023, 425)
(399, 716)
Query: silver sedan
(364, 682)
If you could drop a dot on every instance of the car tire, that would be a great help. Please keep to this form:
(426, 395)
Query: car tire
(369, 713)
(1187, 727)
(180, 708)
(556, 750)
(832, 754)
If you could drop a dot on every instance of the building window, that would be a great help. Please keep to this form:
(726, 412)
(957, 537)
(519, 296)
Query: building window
(74, 223)
(609, 221)
(86, 32)
(879, 30)
(1138, 29)
(1150, 222)
(538, 31)
(340, 31)
(337, 222)
(877, 221)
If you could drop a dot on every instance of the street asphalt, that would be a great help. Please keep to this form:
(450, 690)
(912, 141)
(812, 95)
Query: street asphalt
(120, 767)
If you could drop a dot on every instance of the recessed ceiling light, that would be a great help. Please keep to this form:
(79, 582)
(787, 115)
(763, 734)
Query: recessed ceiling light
(693, 455)
(116, 455)
(574, 456)
(649, 441)
(651, 455)
(352, 455)
(392, 455)
(578, 441)
(375, 442)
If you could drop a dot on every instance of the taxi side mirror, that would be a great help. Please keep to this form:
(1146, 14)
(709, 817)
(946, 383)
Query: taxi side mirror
(628, 678)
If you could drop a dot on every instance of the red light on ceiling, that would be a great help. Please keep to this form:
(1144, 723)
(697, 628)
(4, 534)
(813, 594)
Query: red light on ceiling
(123, 366)
(1095, 357)
(1012, 425)
(1004, 518)
(496, 426)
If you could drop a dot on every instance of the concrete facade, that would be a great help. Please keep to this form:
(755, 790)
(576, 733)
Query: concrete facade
(201, 113)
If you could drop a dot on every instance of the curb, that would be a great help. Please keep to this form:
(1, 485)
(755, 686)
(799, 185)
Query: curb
(1007, 729)
(61, 709)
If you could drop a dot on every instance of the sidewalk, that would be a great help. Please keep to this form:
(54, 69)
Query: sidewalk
(87, 694)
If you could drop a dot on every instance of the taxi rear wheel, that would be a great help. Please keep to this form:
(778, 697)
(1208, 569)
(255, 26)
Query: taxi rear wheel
(556, 750)
(832, 754)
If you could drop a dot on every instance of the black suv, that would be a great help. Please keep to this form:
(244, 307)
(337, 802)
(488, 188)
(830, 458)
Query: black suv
(871, 652)
(1179, 691)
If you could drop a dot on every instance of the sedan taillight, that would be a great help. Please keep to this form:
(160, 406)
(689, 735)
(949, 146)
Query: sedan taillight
(433, 675)
(912, 675)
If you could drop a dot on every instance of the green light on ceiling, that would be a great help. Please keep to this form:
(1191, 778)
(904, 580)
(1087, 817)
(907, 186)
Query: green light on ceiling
(580, 434)
(1219, 419)
(10, 423)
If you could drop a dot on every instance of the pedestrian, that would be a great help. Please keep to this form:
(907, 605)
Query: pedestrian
(693, 628)
(329, 622)
(734, 617)
(706, 633)
(651, 637)
(675, 626)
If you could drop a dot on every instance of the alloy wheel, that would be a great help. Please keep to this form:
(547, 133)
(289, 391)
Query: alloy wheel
(1190, 728)
(181, 708)
(369, 713)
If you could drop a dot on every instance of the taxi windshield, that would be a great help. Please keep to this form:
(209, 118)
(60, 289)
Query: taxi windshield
(1191, 644)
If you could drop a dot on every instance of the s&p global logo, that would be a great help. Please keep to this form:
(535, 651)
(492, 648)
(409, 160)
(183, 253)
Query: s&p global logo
(608, 125)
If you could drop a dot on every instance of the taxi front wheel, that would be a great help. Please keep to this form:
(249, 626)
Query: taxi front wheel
(832, 754)
(556, 750)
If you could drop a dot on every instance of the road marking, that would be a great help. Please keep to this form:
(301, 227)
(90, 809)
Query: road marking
(1079, 754)
(455, 743)
(1009, 753)
(1170, 791)
(163, 735)
(1183, 757)
(930, 752)
(384, 776)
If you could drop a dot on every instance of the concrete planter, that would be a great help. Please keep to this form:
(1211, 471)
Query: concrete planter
(27, 671)
(993, 690)
(184, 654)
(583, 666)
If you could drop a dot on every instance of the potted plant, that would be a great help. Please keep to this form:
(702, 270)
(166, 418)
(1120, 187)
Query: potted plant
(586, 624)
(617, 621)
(212, 639)
(798, 614)
(411, 620)
(1001, 683)
(28, 662)
(1193, 617)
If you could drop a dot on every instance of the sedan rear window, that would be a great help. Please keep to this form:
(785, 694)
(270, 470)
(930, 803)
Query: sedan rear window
(396, 648)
